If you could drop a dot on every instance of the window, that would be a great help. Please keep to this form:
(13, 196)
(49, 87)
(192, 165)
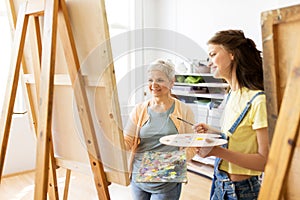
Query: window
(121, 20)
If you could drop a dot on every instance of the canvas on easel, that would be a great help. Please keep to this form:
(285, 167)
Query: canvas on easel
(71, 88)
(281, 46)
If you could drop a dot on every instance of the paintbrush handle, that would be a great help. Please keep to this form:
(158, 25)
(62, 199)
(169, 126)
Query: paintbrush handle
(185, 121)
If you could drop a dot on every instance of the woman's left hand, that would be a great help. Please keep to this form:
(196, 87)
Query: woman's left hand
(204, 151)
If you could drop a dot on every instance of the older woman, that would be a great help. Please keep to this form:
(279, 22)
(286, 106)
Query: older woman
(152, 120)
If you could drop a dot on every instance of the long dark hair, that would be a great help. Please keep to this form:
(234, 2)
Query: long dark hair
(247, 58)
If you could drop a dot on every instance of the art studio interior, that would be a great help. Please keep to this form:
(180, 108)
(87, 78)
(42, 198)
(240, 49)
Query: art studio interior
(74, 76)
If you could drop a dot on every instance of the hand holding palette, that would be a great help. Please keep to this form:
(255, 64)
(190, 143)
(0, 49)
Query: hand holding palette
(193, 140)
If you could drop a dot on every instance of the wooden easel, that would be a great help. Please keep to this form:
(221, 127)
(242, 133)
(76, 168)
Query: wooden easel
(13, 84)
(281, 31)
(279, 161)
(53, 10)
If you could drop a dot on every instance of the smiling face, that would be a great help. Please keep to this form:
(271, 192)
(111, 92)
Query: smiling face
(158, 83)
(221, 61)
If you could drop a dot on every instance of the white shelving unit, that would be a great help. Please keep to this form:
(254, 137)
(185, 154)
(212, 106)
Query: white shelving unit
(215, 85)
(208, 89)
(204, 97)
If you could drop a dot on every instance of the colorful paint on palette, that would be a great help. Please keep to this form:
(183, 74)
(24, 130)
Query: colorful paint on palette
(163, 167)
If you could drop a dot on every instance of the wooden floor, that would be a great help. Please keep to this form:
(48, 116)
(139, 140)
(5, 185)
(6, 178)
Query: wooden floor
(21, 187)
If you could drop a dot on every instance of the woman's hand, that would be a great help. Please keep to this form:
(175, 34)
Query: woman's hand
(204, 151)
(205, 128)
(200, 128)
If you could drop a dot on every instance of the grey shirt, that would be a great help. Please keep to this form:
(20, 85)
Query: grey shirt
(158, 125)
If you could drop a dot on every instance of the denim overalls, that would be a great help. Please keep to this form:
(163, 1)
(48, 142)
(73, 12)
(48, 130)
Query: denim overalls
(222, 186)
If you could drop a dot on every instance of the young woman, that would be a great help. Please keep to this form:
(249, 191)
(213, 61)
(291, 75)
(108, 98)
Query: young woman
(239, 164)
(151, 120)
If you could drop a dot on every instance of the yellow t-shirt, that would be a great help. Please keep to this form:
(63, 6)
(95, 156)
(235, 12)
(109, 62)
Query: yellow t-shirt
(244, 138)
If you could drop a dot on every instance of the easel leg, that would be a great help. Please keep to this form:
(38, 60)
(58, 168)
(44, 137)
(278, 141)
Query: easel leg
(52, 182)
(279, 159)
(11, 90)
(46, 99)
(67, 184)
(36, 52)
(37, 42)
(82, 103)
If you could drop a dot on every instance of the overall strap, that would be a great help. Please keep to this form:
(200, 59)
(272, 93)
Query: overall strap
(243, 114)
(219, 174)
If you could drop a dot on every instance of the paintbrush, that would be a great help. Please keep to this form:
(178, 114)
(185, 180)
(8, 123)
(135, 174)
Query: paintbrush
(185, 121)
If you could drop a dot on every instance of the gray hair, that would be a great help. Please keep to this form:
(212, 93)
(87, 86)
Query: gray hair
(165, 66)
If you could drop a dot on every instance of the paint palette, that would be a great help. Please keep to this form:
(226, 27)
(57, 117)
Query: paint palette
(163, 167)
(193, 140)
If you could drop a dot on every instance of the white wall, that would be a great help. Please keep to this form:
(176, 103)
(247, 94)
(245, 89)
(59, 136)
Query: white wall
(199, 20)
(21, 149)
